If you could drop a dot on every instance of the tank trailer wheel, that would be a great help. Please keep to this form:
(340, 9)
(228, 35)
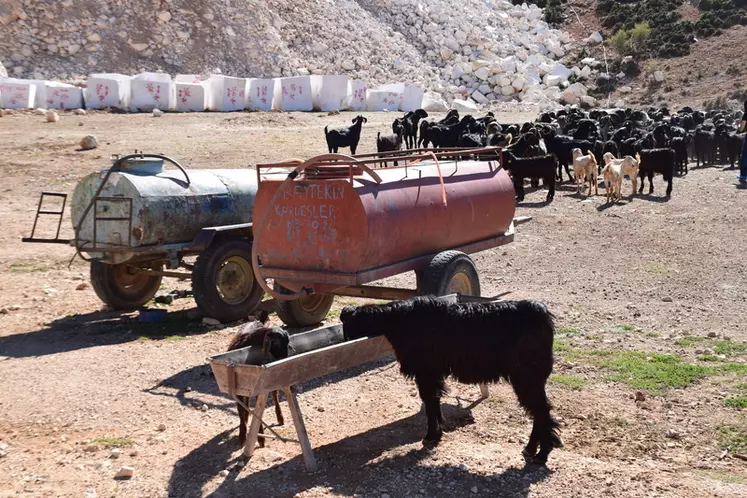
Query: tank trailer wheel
(223, 281)
(121, 287)
(449, 272)
(305, 311)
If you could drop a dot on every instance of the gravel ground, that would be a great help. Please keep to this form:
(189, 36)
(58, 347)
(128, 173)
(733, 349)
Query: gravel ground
(648, 275)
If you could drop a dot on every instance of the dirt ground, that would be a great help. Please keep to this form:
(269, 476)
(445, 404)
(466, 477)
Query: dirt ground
(649, 294)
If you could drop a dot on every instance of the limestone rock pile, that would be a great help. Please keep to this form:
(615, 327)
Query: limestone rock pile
(483, 50)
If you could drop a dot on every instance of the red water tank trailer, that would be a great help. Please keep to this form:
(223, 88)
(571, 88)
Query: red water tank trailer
(334, 230)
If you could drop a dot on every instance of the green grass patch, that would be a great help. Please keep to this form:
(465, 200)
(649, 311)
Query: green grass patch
(733, 368)
(732, 439)
(689, 340)
(559, 346)
(652, 334)
(566, 331)
(144, 338)
(657, 268)
(622, 328)
(741, 386)
(27, 268)
(333, 314)
(112, 442)
(709, 358)
(729, 347)
(176, 338)
(728, 478)
(653, 372)
(736, 402)
(573, 382)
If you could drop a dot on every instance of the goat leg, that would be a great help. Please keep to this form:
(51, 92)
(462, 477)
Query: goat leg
(278, 412)
(243, 418)
(431, 388)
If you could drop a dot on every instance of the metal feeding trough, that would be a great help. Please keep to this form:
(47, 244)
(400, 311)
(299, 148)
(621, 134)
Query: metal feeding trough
(249, 372)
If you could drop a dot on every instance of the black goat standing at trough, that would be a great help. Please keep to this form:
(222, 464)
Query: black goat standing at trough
(275, 342)
(452, 117)
(652, 161)
(475, 343)
(345, 137)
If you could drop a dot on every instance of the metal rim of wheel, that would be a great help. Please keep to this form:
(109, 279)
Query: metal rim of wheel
(129, 281)
(234, 280)
(310, 304)
(460, 283)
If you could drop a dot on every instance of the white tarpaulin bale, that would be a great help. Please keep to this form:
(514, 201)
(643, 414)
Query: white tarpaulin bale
(227, 93)
(261, 94)
(413, 98)
(107, 90)
(63, 96)
(296, 94)
(150, 91)
(386, 97)
(191, 97)
(357, 91)
(332, 92)
(17, 94)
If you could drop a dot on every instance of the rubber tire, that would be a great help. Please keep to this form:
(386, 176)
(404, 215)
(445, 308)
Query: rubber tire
(434, 279)
(293, 315)
(206, 294)
(104, 283)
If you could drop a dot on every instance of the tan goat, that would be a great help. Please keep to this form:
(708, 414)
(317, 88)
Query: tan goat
(629, 167)
(613, 177)
(585, 167)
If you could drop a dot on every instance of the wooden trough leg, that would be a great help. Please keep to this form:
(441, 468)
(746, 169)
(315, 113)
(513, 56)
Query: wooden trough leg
(303, 437)
(484, 391)
(251, 440)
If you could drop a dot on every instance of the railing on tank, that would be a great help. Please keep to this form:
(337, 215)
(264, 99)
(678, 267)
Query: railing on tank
(336, 166)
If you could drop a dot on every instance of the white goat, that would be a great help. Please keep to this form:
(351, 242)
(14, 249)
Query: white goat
(613, 177)
(585, 167)
(629, 167)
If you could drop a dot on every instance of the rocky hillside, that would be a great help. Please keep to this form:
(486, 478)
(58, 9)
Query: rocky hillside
(439, 44)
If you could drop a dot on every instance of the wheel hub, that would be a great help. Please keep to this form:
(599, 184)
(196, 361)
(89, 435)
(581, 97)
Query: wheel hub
(234, 280)
(460, 284)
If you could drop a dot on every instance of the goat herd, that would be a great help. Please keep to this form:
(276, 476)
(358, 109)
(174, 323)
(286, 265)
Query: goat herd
(609, 143)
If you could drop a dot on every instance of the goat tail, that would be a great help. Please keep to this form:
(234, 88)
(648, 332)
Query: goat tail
(638, 158)
(325, 131)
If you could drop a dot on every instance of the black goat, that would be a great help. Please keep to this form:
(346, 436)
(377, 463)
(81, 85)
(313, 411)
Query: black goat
(652, 161)
(475, 344)
(389, 143)
(540, 167)
(679, 144)
(273, 341)
(452, 117)
(704, 145)
(561, 146)
(345, 137)
(441, 135)
(411, 123)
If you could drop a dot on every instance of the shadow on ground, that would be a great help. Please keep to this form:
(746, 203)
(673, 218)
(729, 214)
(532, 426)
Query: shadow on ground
(356, 465)
(104, 328)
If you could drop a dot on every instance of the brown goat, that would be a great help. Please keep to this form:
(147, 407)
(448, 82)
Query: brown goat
(272, 340)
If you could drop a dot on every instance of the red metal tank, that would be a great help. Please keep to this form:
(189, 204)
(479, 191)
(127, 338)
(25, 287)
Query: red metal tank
(336, 227)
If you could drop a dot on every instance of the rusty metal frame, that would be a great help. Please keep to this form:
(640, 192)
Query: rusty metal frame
(40, 211)
(372, 274)
(332, 169)
(97, 218)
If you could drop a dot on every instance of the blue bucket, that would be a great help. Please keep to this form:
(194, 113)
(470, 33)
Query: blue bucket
(152, 316)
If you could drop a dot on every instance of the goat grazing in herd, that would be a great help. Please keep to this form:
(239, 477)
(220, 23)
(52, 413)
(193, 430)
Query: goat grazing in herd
(475, 344)
(275, 342)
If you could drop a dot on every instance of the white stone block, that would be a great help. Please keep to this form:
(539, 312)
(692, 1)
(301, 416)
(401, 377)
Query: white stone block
(191, 97)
